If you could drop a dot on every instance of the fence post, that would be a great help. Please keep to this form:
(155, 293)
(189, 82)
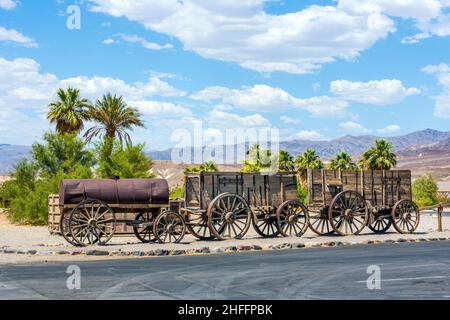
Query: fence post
(440, 210)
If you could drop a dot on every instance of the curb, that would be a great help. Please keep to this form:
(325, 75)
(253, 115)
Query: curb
(208, 250)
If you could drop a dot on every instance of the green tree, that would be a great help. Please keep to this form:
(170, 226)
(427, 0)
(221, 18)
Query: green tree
(258, 159)
(69, 111)
(425, 191)
(343, 161)
(126, 163)
(379, 157)
(114, 119)
(208, 166)
(308, 160)
(285, 161)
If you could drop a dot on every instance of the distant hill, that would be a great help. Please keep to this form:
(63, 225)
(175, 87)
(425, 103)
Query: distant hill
(425, 141)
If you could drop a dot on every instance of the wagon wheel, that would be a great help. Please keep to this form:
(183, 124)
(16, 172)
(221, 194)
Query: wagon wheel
(64, 228)
(169, 227)
(381, 222)
(197, 225)
(92, 221)
(348, 213)
(229, 216)
(265, 223)
(405, 216)
(144, 234)
(318, 221)
(292, 219)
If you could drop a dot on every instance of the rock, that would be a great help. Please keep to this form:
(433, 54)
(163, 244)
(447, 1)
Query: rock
(219, 249)
(61, 252)
(138, 253)
(339, 244)
(401, 240)
(97, 253)
(76, 253)
(432, 239)
(256, 247)
(150, 253)
(9, 251)
(442, 239)
(31, 252)
(298, 245)
(389, 241)
(177, 252)
(244, 248)
(231, 248)
(270, 247)
(161, 252)
(329, 244)
(422, 239)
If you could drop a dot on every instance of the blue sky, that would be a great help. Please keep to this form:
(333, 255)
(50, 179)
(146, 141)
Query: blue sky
(313, 69)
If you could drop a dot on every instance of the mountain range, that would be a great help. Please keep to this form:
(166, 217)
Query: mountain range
(419, 142)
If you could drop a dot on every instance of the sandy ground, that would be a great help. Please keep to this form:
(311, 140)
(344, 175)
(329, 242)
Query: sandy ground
(22, 239)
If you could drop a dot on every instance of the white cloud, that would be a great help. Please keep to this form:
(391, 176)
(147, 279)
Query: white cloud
(309, 135)
(351, 126)
(221, 117)
(109, 41)
(264, 98)
(144, 43)
(389, 128)
(12, 35)
(442, 104)
(382, 92)
(8, 4)
(242, 32)
(160, 109)
(290, 120)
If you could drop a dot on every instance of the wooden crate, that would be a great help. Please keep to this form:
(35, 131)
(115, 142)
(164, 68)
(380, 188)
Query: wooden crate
(54, 216)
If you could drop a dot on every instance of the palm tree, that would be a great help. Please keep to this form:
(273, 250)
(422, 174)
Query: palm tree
(285, 161)
(208, 166)
(69, 111)
(258, 159)
(308, 160)
(114, 118)
(343, 161)
(379, 157)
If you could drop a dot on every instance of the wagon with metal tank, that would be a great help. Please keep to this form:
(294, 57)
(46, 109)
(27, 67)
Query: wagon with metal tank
(223, 205)
(89, 207)
(345, 202)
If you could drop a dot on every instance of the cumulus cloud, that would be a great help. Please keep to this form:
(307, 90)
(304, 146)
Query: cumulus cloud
(242, 32)
(309, 135)
(12, 35)
(355, 127)
(264, 98)
(160, 109)
(290, 120)
(8, 4)
(389, 129)
(221, 117)
(132, 38)
(378, 92)
(442, 104)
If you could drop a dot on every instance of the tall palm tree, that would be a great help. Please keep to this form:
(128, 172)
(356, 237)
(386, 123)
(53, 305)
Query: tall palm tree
(308, 160)
(379, 157)
(343, 161)
(69, 111)
(258, 159)
(285, 161)
(114, 117)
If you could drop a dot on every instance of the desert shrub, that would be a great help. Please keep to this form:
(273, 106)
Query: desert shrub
(58, 157)
(208, 166)
(124, 162)
(302, 193)
(425, 191)
(177, 192)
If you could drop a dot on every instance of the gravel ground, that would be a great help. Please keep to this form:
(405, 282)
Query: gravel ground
(23, 244)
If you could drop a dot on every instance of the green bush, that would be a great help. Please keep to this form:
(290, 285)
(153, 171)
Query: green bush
(177, 192)
(124, 162)
(425, 191)
(302, 194)
(59, 157)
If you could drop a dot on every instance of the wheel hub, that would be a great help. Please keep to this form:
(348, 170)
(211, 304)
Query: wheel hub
(348, 213)
(230, 217)
(92, 223)
(170, 228)
(292, 219)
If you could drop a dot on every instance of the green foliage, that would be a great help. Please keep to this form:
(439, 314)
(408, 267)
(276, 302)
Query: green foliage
(208, 166)
(257, 160)
(33, 181)
(126, 163)
(379, 157)
(425, 191)
(308, 160)
(69, 111)
(285, 161)
(343, 161)
(302, 192)
(177, 192)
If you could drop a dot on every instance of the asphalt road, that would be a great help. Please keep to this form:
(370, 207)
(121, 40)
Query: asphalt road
(408, 271)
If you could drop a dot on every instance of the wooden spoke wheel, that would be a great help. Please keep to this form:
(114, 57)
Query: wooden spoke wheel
(229, 216)
(318, 221)
(64, 228)
(91, 222)
(144, 233)
(348, 213)
(169, 227)
(265, 222)
(381, 222)
(292, 218)
(197, 225)
(405, 216)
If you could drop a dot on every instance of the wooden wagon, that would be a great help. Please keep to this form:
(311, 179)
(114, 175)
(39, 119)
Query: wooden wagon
(347, 201)
(223, 205)
(88, 210)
